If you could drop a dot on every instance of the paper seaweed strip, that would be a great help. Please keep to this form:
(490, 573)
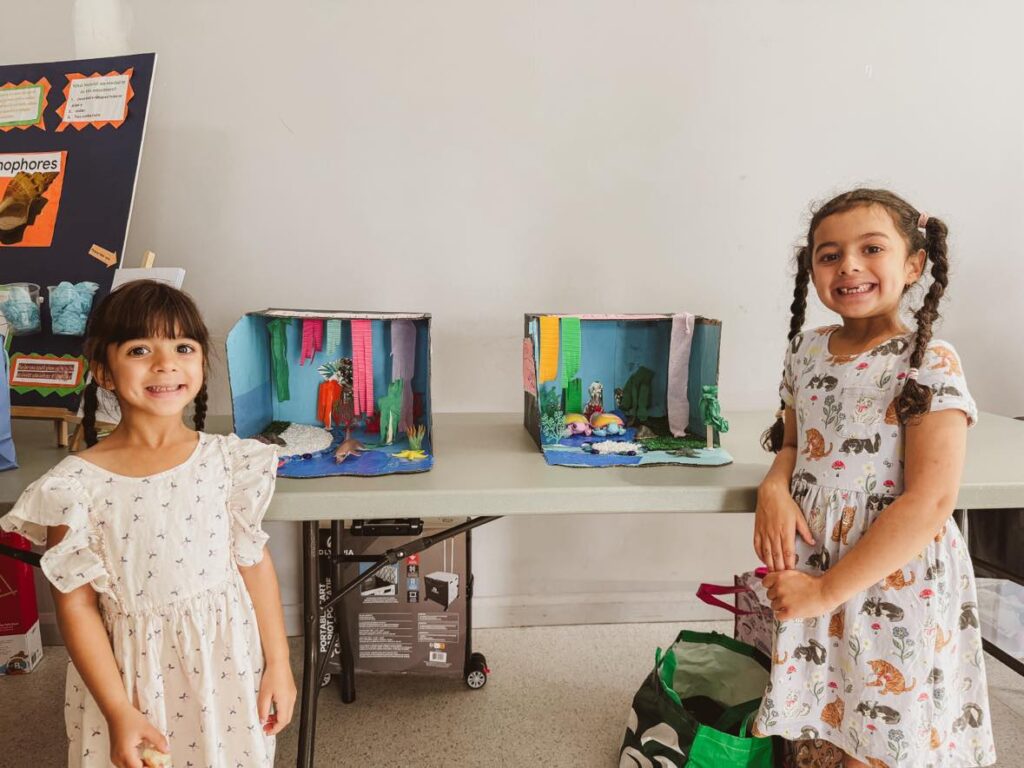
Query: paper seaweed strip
(362, 366)
(279, 356)
(403, 366)
(312, 339)
(548, 348)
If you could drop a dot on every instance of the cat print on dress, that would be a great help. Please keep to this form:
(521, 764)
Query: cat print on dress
(896, 580)
(815, 448)
(832, 713)
(813, 652)
(820, 560)
(969, 615)
(972, 716)
(896, 346)
(844, 525)
(861, 445)
(940, 640)
(828, 383)
(837, 624)
(890, 414)
(889, 678)
(876, 607)
(874, 711)
(947, 360)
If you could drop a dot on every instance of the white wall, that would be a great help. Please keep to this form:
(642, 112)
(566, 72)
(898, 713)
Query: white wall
(481, 159)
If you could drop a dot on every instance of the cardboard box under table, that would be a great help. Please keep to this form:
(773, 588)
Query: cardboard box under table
(623, 390)
(342, 393)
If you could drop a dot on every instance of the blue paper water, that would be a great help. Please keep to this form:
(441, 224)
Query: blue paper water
(376, 459)
(69, 307)
(20, 310)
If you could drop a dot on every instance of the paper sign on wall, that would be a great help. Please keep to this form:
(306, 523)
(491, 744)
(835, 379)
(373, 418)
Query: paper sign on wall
(96, 100)
(22, 105)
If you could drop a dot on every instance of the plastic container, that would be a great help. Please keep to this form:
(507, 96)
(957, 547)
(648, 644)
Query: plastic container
(20, 304)
(69, 311)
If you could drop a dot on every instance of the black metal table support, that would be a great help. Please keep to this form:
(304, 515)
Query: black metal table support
(315, 659)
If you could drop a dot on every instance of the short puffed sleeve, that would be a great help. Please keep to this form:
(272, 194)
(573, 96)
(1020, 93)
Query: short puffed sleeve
(787, 387)
(253, 469)
(942, 372)
(55, 500)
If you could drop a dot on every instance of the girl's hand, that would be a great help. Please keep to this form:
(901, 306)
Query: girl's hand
(777, 520)
(129, 731)
(277, 687)
(798, 595)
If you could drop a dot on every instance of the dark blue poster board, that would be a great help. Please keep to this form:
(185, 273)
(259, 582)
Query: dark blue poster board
(88, 204)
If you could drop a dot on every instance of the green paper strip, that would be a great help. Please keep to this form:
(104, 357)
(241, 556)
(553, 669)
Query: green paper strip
(570, 349)
(574, 397)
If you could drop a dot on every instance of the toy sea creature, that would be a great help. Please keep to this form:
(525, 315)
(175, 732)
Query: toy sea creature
(606, 424)
(416, 435)
(576, 424)
(410, 455)
(596, 402)
(349, 447)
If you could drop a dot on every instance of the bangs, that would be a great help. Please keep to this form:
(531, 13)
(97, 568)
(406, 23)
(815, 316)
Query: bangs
(145, 309)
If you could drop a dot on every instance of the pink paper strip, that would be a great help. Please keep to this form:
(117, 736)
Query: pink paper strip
(312, 339)
(529, 368)
(362, 367)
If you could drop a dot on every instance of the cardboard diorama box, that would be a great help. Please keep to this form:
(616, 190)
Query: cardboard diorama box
(624, 390)
(341, 393)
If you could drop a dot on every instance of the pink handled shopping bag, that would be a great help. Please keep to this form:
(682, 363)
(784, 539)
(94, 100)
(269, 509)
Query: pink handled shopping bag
(752, 609)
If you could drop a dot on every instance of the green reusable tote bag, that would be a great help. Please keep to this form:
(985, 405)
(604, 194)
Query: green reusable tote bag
(695, 708)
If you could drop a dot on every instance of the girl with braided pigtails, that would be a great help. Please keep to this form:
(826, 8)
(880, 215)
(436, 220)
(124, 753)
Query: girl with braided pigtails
(877, 643)
(166, 598)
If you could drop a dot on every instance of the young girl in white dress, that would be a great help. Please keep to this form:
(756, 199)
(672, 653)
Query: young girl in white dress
(165, 594)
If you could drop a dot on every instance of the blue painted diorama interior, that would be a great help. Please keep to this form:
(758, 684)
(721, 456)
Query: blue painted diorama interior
(255, 404)
(611, 351)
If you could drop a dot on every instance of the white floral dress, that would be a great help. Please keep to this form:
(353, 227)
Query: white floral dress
(162, 554)
(896, 676)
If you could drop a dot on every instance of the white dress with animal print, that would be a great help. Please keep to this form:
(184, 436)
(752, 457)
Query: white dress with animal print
(896, 676)
(162, 554)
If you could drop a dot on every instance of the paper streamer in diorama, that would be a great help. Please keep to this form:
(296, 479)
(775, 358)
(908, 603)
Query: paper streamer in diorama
(679, 373)
(362, 367)
(403, 366)
(571, 352)
(548, 348)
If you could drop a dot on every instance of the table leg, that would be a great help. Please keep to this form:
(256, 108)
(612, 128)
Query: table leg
(347, 676)
(310, 660)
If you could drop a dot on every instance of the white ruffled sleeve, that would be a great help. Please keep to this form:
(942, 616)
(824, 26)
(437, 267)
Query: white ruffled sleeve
(943, 373)
(55, 500)
(253, 468)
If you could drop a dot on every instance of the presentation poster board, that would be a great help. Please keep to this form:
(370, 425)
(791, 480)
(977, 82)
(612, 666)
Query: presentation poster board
(71, 137)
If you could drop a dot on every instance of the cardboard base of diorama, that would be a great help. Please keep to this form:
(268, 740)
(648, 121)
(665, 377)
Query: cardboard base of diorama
(376, 458)
(583, 451)
(624, 390)
(279, 363)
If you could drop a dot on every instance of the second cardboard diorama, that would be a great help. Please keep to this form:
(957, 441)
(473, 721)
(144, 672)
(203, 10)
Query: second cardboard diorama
(342, 393)
(624, 390)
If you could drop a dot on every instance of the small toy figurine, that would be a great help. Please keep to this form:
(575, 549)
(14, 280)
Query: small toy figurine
(576, 424)
(411, 455)
(606, 424)
(711, 413)
(416, 435)
(349, 447)
(596, 403)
